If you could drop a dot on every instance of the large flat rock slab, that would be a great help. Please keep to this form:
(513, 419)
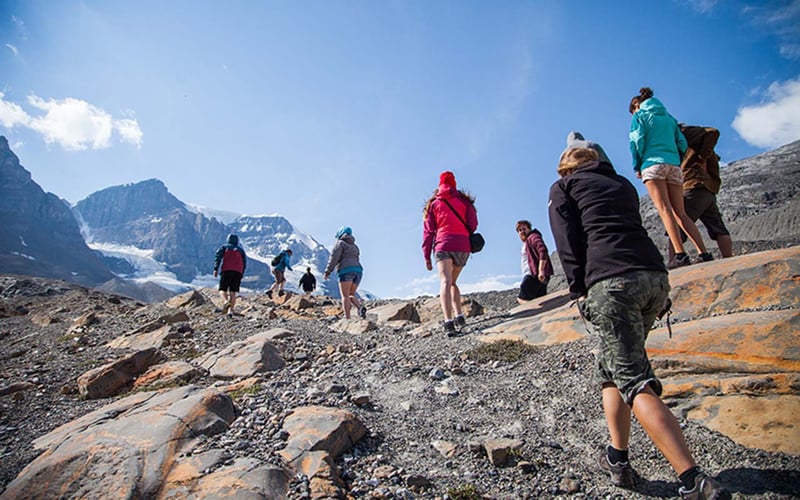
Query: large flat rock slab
(124, 450)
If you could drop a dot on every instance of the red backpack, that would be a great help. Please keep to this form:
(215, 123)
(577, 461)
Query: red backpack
(232, 260)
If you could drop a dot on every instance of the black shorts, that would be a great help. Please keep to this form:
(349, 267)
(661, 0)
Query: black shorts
(531, 288)
(229, 281)
(700, 203)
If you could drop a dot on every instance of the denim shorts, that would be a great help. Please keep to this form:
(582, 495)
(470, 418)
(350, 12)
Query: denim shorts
(670, 173)
(354, 277)
(621, 311)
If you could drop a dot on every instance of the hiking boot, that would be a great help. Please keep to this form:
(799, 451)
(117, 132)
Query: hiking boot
(450, 328)
(269, 294)
(362, 312)
(280, 293)
(621, 472)
(460, 321)
(679, 261)
(705, 257)
(705, 488)
(230, 314)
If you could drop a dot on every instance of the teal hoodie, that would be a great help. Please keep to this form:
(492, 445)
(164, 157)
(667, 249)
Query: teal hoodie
(655, 136)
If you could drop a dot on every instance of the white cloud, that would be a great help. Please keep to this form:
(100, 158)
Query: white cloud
(702, 6)
(72, 123)
(13, 49)
(774, 122)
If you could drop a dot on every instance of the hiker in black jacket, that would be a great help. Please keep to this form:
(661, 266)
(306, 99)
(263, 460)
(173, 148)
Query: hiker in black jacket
(308, 282)
(612, 264)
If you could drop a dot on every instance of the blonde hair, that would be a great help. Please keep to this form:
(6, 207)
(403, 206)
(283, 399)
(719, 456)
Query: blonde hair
(574, 158)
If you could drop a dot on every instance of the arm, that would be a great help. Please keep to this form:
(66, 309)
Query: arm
(636, 136)
(428, 233)
(244, 259)
(570, 239)
(680, 140)
(218, 259)
(286, 261)
(336, 255)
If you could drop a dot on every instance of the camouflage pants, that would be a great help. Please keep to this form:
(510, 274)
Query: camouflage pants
(622, 311)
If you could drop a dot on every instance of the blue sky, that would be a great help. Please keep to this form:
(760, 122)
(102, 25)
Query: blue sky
(345, 112)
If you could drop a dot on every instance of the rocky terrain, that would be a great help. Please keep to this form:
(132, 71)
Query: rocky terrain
(424, 416)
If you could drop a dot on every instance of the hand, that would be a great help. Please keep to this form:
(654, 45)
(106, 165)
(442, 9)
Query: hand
(326, 276)
(638, 174)
(542, 278)
(215, 273)
(428, 265)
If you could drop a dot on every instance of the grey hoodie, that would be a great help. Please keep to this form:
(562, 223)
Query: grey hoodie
(344, 254)
(575, 140)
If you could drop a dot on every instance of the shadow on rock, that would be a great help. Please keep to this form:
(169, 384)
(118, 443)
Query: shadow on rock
(750, 481)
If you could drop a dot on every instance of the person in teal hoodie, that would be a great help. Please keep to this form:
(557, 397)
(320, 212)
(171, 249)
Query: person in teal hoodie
(657, 146)
(278, 271)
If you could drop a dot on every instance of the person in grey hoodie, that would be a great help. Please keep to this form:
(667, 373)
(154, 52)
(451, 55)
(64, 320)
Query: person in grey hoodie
(345, 258)
(575, 140)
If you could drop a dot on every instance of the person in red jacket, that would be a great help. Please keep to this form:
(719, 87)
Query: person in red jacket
(536, 266)
(448, 220)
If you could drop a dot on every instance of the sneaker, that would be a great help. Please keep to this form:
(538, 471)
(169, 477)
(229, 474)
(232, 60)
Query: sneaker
(280, 293)
(450, 328)
(269, 294)
(705, 488)
(621, 472)
(705, 257)
(460, 321)
(679, 262)
(230, 314)
(362, 312)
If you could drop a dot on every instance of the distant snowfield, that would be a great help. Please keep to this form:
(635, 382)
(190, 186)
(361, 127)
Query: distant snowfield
(147, 268)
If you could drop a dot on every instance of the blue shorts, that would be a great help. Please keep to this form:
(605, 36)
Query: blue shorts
(354, 277)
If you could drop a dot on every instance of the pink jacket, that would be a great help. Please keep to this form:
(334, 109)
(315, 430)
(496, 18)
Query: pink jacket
(442, 231)
(537, 252)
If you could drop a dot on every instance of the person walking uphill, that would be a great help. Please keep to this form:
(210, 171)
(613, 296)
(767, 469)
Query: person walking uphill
(279, 266)
(234, 262)
(536, 267)
(657, 145)
(612, 264)
(308, 282)
(449, 218)
(345, 258)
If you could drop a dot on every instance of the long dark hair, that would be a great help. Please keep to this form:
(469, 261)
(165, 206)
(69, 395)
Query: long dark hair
(645, 93)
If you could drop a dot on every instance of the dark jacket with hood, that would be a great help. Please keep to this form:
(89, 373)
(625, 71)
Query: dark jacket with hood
(594, 216)
(231, 255)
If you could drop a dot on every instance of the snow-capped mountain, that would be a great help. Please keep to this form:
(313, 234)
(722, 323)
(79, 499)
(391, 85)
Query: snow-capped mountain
(148, 235)
(264, 236)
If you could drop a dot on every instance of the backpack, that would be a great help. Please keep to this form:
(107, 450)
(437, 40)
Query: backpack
(277, 259)
(232, 260)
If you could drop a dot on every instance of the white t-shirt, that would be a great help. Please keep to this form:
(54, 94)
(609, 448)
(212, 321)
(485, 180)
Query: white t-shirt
(526, 269)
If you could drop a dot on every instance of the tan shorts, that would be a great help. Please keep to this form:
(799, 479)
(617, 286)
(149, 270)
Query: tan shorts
(663, 172)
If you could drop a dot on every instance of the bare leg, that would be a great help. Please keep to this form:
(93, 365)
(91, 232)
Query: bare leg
(618, 416)
(233, 301)
(675, 193)
(663, 429)
(455, 292)
(445, 287)
(224, 295)
(344, 289)
(657, 189)
(725, 244)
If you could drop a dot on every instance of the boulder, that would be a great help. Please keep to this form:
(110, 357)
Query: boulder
(245, 358)
(167, 374)
(140, 341)
(137, 448)
(396, 311)
(107, 380)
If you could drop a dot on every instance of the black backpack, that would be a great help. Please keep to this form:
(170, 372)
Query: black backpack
(277, 259)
